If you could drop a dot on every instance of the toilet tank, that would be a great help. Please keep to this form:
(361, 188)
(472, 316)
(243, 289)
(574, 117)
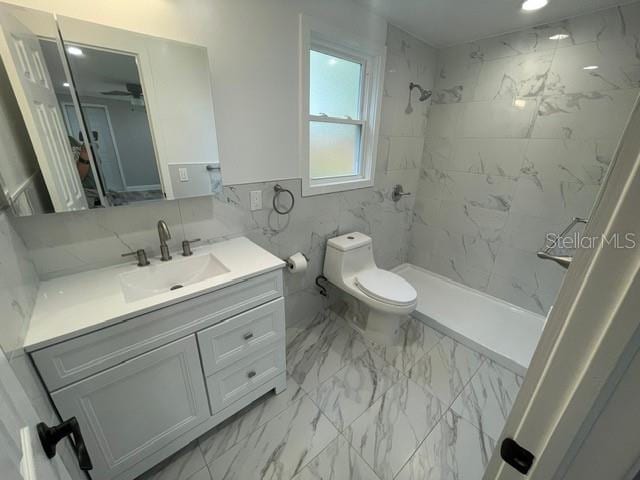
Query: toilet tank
(347, 255)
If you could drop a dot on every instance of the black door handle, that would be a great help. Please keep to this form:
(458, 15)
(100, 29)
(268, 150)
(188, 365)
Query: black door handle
(518, 457)
(50, 436)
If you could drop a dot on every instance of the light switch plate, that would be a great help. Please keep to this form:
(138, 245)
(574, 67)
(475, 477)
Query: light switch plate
(184, 176)
(256, 200)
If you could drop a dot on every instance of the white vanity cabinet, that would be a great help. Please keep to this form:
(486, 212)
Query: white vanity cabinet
(138, 406)
(145, 387)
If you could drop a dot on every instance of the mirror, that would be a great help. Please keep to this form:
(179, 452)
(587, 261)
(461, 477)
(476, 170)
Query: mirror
(112, 104)
(93, 116)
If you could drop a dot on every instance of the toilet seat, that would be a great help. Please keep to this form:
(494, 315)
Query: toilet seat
(386, 287)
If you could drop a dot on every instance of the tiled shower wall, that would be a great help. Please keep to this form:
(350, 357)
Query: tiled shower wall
(71, 242)
(519, 138)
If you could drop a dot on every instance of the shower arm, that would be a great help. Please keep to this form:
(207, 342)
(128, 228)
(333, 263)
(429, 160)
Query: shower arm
(424, 94)
(562, 260)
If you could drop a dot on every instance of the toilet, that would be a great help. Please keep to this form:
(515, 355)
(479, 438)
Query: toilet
(350, 266)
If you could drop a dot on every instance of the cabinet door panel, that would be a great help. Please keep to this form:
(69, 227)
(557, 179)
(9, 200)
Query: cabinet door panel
(137, 407)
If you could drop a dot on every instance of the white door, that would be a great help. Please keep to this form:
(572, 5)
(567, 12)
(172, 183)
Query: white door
(134, 409)
(98, 120)
(582, 377)
(21, 455)
(31, 82)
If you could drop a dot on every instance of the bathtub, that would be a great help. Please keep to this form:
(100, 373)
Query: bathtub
(503, 332)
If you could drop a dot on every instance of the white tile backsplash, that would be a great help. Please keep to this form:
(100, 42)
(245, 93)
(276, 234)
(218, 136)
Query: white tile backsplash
(18, 288)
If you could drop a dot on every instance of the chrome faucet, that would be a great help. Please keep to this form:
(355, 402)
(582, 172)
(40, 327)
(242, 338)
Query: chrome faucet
(164, 234)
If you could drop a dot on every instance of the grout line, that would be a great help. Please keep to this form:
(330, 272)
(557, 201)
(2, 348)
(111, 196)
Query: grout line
(360, 456)
(256, 403)
(209, 470)
(420, 444)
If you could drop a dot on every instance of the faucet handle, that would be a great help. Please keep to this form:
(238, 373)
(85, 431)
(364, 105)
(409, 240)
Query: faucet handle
(398, 193)
(186, 247)
(141, 255)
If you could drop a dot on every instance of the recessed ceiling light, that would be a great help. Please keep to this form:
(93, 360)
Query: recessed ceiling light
(590, 67)
(75, 51)
(65, 84)
(530, 5)
(559, 36)
(519, 103)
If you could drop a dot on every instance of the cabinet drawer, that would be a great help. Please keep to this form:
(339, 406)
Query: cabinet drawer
(232, 383)
(75, 359)
(239, 336)
(130, 411)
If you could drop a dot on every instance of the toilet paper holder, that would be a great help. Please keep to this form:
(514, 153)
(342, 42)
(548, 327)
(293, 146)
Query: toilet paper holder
(290, 265)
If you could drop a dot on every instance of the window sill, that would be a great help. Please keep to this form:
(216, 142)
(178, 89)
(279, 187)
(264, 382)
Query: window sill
(319, 188)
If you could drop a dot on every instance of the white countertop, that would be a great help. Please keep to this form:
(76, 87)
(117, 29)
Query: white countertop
(73, 305)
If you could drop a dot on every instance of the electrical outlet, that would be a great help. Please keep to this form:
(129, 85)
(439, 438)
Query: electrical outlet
(256, 200)
(184, 176)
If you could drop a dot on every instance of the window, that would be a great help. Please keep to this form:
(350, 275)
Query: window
(341, 85)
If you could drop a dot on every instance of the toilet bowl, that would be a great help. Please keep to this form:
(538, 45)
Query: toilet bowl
(350, 266)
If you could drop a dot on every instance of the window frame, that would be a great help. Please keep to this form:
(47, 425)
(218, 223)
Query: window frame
(319, 37)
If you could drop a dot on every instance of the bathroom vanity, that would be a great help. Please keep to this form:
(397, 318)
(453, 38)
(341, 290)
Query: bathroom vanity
(146, 367)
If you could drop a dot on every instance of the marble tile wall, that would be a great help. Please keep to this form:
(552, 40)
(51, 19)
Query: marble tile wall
(71, 242)
(519, 138)
(18, 286)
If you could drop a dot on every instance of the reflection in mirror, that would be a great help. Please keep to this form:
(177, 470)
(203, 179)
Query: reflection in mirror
(176, 91)
(93, 116)
(40, 175)
(113, 106)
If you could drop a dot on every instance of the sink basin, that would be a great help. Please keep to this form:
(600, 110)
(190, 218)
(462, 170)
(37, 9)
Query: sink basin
(172, 275)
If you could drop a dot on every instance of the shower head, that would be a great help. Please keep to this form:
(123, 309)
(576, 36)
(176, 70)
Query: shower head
(424, 94)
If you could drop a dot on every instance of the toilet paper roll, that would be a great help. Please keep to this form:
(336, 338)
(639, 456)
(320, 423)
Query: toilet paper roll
(297, 263)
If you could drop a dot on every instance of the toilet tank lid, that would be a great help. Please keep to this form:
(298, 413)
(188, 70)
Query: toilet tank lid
(349, 241)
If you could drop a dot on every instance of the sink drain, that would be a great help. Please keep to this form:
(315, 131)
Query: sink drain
(176, 287)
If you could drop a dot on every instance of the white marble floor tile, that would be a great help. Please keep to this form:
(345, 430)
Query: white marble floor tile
(317, 355)
(388, 433)
(414, 341)
(247, 421)
(311, 328)
(201, 475)
(454, 450)
(339, 461)
(180, 466)
(446, 369)
(487, 399)
(280, 448)
(347, 394)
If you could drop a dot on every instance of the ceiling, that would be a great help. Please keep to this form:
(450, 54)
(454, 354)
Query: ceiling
(95, 72)
(449, 22)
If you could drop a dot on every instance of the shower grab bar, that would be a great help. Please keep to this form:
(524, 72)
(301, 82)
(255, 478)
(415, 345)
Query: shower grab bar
(562, 260)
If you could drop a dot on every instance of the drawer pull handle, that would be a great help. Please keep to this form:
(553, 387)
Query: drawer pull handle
(248, 336)
(251, 374)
